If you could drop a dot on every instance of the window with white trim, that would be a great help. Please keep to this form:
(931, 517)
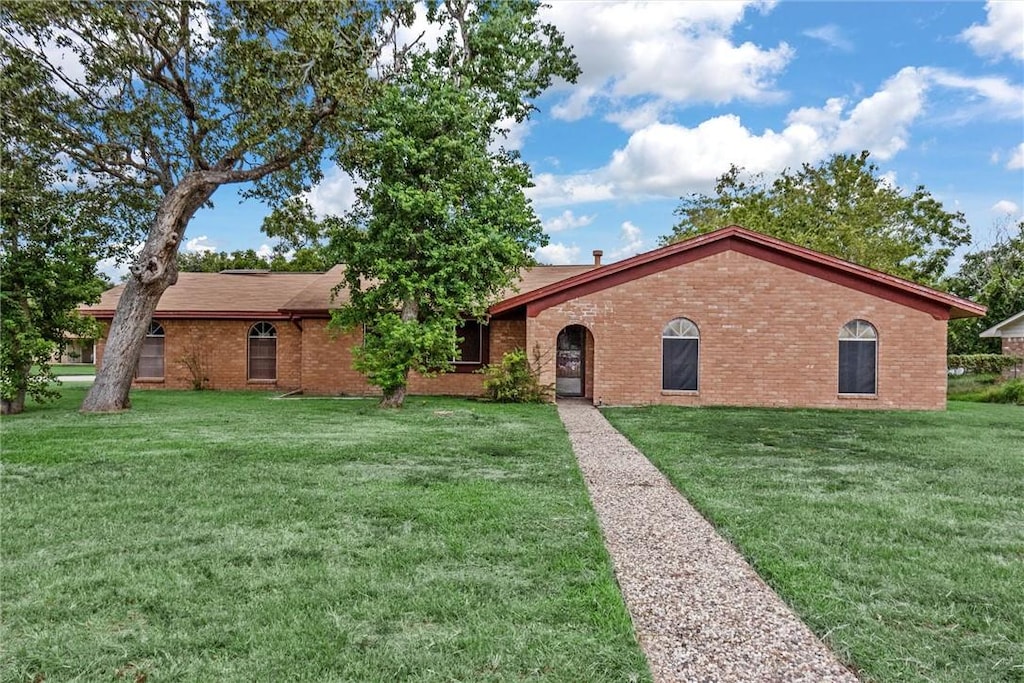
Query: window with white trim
(151, 360)
(262, 353)
(858, 358)
(680, 354)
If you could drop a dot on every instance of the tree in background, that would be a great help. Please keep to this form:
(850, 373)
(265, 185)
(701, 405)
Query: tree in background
(841, 207)
(442, 224)
(176, 98)
(308, 260)
(53, 227)
(993, 277)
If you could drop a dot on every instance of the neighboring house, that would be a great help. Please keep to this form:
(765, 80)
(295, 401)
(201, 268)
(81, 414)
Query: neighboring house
(76, 350)
(732, 317)
(1010, 332)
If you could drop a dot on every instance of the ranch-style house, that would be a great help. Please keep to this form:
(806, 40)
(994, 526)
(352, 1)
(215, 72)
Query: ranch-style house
(731, 317)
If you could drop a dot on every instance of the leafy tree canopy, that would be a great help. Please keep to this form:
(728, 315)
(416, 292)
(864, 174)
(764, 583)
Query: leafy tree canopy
(442, 224)
(302, 261)
(842, 207)
(175, 98)
(993, 277)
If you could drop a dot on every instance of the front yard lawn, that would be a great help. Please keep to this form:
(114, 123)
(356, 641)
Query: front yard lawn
(217, 536)
(898, 537)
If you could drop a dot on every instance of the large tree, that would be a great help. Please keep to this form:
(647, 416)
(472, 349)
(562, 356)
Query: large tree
(842, 207)
(993, 276)
(442, 224)
(175, 98)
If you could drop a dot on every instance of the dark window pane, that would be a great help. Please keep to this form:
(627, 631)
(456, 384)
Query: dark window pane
(151, 362)
(857, 367)
(679, 364)
(470, 348)
(263, 358)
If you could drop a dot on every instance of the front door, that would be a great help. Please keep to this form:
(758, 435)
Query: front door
(569, 361)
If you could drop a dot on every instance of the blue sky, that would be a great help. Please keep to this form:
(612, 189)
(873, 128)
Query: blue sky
(672, 93)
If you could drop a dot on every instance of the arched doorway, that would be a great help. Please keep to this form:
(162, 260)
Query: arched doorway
(571, 358)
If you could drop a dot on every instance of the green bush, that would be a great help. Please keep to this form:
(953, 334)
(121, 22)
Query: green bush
(983, 362)
(515, 380)
(1007, 392)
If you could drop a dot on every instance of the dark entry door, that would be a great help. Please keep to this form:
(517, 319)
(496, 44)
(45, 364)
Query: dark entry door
(569, 361)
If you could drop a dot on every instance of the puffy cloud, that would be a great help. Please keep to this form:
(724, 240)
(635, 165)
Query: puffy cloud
(831, 35)
(680, 52)
(567, 220)
(200, 245)
(1001, 35)
(265, 251)
(1005, 207)
(558, 254)
(1016, 158)
(335, 194)
(631, 241)
(668, 160)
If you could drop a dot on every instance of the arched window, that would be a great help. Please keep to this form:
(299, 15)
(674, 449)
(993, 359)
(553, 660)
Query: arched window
(151, 361)
(858, 358)
(262, 351)
(680, 352)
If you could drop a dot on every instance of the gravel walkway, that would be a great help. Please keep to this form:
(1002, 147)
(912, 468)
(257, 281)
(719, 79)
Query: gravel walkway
(700, 612)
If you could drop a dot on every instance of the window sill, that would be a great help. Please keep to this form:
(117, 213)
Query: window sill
(464, 367)
(680, 392)
(868, 397)
(149, 380)
(261, 381)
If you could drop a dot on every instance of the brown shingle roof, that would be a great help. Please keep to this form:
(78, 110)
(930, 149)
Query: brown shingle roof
(265, 295)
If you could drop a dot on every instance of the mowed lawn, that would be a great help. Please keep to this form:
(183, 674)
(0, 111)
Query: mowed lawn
(216, 536)
(898, 536)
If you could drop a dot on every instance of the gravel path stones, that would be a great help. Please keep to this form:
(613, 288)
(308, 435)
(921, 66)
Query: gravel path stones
(700, 612)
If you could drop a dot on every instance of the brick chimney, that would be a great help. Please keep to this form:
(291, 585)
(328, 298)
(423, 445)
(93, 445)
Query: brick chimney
(597, 257)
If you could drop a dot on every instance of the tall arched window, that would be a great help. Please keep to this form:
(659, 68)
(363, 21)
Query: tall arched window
(680, 353)
(262, 351)
(858, 358)
(151, 361)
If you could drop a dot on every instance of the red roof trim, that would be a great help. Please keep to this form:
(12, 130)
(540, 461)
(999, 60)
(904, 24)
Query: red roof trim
(771, 249)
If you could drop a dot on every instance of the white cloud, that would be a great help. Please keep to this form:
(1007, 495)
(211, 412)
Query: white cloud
(265, 251)
(1003, 33)
(1016, 158)
(679, 52)
(558, 254)
(667, 160)
(631, 241)
(335, 194)
(1006, 207)
(513, 136)
(200, 245)
(117, 270)
(567, 220)
(831, 35)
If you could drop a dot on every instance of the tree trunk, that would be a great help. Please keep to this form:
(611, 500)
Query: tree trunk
(13, 406)
(154, 270)
(396, 397)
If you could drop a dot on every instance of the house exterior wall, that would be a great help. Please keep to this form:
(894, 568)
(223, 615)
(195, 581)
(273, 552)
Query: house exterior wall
(221, 349)
(1014, 346)
(768, 337)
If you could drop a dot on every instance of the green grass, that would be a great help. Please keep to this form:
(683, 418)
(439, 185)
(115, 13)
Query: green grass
(897, 536)
(217, 536)
(73, 369)
(971, 386)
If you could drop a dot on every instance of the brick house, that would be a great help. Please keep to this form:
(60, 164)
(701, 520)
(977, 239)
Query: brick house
(1010, 333)
(732, 317)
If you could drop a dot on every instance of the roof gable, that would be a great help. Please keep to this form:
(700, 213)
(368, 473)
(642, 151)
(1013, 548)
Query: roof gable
(1000, 327)
(938, 304)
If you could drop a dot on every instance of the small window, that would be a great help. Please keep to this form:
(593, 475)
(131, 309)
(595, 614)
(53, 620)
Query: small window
(680, 352)
(262, 351)
(858, 358)
(471, 346)
(151, 360)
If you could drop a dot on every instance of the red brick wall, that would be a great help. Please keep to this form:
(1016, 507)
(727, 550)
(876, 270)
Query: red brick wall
(221, 347)
(769, 337)
(1014, 346)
